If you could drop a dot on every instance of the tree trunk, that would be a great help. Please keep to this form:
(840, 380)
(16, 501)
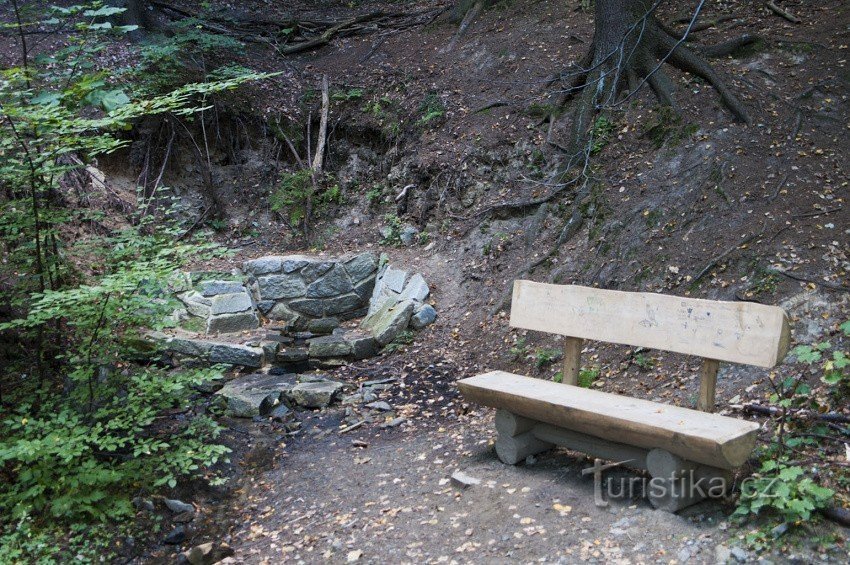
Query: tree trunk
(629, 49)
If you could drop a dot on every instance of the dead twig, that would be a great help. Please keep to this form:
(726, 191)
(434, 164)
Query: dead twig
(713, 263)
(782, 12)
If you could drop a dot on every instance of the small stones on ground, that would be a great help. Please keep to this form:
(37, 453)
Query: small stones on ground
(463, 481)
(178, 506)
(394, 422)
(207, 553)
(380, 405)
(176, 536)
(739, 554)
(315, 394)
(184, 517)
(143, 504)
(353, 556)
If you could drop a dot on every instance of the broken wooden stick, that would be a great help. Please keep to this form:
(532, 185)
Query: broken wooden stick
(782, 13)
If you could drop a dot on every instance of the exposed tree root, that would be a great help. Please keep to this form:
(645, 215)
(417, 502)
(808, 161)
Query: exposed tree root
(630, 48)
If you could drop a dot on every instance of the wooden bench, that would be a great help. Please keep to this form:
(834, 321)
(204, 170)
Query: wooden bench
(670, 442)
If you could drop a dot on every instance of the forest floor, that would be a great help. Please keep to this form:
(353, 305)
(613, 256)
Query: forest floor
(700, 206)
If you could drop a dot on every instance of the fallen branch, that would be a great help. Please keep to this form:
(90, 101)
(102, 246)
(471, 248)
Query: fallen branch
(782, 13)
(801, 278)
(713, 263)
(800, 414)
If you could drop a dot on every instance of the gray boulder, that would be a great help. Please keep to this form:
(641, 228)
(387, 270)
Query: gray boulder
(234, 354)
(415, 289)
(315, 394)
(423, 315)
(389, 320)
(189, 347)
(361, 266)
(196, 304)
(342, 305)
(292, 263)
(292, 355)
(323, 326)
(255, 395)
(316, 269)
(310, 306)
(363, 345)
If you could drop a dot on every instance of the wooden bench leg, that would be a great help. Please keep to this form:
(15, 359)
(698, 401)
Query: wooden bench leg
(677, 483)
(516, 439)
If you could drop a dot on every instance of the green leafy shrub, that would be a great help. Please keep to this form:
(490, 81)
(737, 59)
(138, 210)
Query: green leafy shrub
(784, 489)
(298, 198)
(391, 234)
(83, 394)
(431, 108)
(587, 376)
(546, 356)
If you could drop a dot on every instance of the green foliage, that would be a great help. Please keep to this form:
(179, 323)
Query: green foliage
(587, 375)
(374, 194)
(519, 349)
(546, 356)
(189, 53)
(600, 134)
(831, 362)
(784, 489)
(346, 95)
(431, 108)
(402, 340)
(392, 230)
(643, 361)
(85, 430)
(298, 199)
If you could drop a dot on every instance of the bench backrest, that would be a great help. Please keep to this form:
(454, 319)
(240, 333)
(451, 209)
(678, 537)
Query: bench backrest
(738, 332)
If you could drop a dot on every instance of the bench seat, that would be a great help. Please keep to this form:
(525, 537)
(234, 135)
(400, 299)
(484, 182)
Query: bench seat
(702, 437)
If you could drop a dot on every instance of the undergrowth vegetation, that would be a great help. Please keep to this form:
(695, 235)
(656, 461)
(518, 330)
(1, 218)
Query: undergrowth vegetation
(81, 427)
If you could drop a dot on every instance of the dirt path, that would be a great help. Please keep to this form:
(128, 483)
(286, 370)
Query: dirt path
(393, 502)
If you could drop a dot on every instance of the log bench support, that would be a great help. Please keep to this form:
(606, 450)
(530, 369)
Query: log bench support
(675, 482)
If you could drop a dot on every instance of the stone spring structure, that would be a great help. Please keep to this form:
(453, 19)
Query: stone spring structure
(302, 300)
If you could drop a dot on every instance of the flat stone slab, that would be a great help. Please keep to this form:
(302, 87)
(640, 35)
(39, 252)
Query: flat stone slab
(232, 323)
(415, 289)
(275, 287)
(388, 321)
(317, 394)
(255, 395)
(231, 303)
(213, 288)
(329, 346)
(234, 354)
